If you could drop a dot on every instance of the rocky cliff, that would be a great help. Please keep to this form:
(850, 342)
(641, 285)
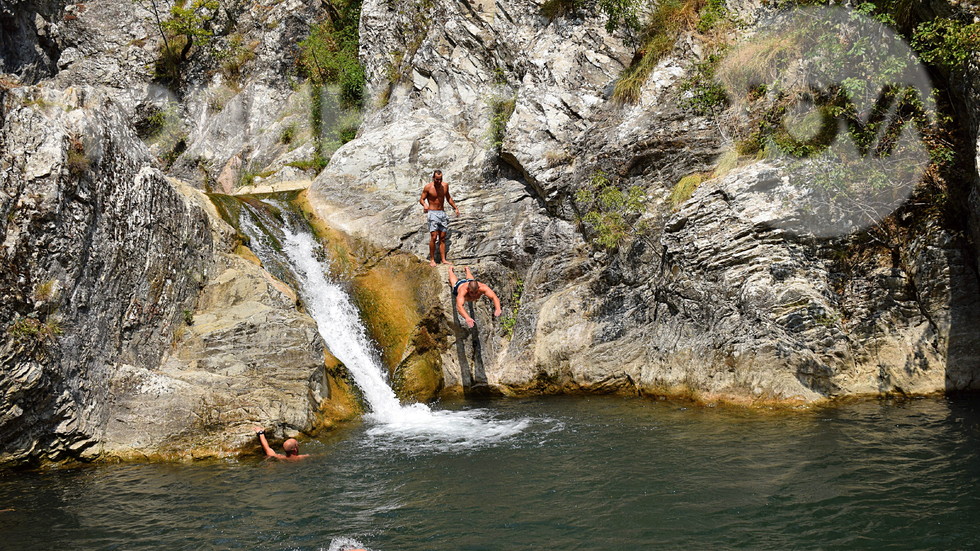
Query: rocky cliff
(137, 322)
(708, 300)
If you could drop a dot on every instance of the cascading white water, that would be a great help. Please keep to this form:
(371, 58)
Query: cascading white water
(340, 326)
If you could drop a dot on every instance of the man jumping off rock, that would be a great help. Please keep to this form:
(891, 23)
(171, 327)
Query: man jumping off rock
(471, 292)
(433, 195)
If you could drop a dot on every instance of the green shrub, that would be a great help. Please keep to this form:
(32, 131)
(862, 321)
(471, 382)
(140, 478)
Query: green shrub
(607, 211)
(45, 290)
(501, 108)
(234, 57)
(288, 134)
(561, 8)
(656, 40)
(946, 43)
(510, 320)
(186, 24)
(77, 160)
(685, 187)
(33, 335)
(347, 133)
(316, 163)
(705, 95)
(329, 54)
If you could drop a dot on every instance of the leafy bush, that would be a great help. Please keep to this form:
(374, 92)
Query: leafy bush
(656, 40)
(234, 57)
(946, 43)
(510, 320)
(78, 162)
(288, 134)
(186, 24)
(329, 54)
(704, 94)
(347, 133)
(609, 211)
(501, 108)
(560, 8)
(33, 335)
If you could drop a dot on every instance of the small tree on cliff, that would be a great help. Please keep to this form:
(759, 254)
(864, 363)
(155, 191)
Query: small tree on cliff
(186, 23)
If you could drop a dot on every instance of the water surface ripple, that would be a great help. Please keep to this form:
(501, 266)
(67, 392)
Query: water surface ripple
(584, 473)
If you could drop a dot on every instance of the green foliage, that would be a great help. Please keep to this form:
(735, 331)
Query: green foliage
(347, 133)
(561, 8)
(622, 14)
(704, 94)
(191, 20)
(234, 57)
(188, 317)
(248, 177)
(712, 16)
(510, 320)
(946, 43)
(33, 335)
(656, 40)
(186, 24)
(685, 188)
(153, 123)
(45, 291)
(288, 134)
(501, 108)
(316, 163)
(316, 117)
(608, 210)
(329, 54)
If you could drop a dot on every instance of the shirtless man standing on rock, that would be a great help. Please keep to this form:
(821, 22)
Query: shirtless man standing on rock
(433, 195)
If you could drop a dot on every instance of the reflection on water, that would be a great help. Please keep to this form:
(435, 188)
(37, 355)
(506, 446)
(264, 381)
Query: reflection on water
(596, 473)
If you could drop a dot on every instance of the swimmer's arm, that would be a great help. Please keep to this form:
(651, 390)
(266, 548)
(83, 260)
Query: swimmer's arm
(460, 301)
(496, 301)
(265, 445)
(422, 200)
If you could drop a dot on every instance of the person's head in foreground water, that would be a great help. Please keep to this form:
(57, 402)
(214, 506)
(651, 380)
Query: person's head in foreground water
(290, 446)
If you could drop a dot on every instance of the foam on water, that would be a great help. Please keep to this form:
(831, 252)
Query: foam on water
(340, 325)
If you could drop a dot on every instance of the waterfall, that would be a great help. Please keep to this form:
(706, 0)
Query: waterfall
(413, 427)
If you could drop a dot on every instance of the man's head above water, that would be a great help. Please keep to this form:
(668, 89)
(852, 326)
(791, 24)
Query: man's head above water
(290, 446)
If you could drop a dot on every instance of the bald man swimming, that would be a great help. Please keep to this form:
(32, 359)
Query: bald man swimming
(290, 446)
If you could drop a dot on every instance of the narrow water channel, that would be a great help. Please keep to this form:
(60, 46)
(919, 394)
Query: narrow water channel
(585, 474)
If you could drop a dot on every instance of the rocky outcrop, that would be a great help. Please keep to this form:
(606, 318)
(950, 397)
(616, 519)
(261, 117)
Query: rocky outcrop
(90, 278)
(708, 301)
(29, 47)
(129, 328)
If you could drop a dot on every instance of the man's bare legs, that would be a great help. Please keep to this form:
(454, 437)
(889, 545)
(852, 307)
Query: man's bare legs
(439, 236)
(452, 275)
(432, 247)
(442, 248)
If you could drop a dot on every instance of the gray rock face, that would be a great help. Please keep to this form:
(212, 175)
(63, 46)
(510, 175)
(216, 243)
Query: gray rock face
(29, 38)
(710, 301)
(105, 262)
(90, 271)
